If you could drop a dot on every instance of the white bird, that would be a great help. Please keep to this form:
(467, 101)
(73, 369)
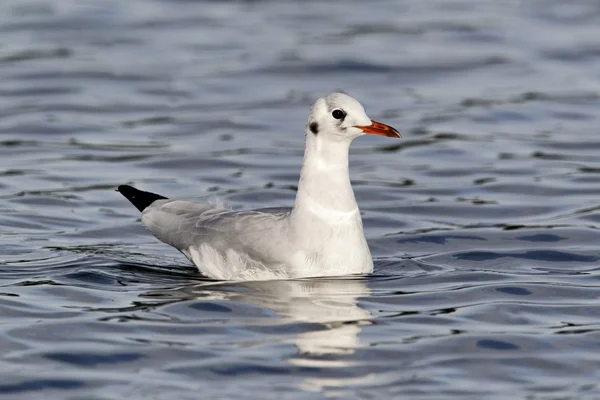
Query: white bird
(322, 235)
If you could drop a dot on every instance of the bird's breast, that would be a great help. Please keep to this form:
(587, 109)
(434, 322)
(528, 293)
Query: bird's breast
(333, 252)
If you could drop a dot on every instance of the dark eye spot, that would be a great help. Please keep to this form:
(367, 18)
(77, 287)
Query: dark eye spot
(314, 127)
(338, 114)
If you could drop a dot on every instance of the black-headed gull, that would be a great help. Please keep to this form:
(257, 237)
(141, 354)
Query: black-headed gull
(322, 235)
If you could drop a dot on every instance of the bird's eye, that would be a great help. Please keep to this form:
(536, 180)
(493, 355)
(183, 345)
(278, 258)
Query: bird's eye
(338, 114)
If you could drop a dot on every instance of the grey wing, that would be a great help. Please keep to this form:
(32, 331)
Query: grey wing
(184, 224)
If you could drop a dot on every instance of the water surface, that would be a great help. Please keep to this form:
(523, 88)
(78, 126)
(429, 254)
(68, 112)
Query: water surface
(483, 220)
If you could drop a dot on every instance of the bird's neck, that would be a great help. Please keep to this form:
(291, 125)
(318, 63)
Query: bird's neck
(324, 190)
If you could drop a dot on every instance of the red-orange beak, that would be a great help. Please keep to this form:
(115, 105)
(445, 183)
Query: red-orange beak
(377, 128)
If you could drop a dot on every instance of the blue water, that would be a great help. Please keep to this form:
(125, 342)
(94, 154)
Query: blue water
(483, 220)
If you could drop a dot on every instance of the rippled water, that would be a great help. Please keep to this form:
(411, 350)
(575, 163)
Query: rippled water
(483, 220)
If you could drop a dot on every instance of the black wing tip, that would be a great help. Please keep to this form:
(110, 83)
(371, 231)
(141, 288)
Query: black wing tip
(124, 188)
(139, 198)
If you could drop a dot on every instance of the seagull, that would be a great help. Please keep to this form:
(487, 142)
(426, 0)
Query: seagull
(321, 235)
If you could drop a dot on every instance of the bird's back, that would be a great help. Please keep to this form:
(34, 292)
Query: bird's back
(222, 243)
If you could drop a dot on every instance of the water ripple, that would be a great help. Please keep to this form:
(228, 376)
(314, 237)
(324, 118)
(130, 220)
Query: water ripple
(482, 221)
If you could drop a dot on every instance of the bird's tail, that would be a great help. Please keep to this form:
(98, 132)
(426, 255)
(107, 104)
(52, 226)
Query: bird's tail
(139, 198)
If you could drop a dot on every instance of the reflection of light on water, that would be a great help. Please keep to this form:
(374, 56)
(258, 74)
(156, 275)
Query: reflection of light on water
(330, 303)
(334, 304)
(339, 312)
(329, 347)
(340, 340)
(328, 385)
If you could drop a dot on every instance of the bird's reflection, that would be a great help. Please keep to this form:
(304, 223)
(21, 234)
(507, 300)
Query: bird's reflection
(329, 306)
(331, 303)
